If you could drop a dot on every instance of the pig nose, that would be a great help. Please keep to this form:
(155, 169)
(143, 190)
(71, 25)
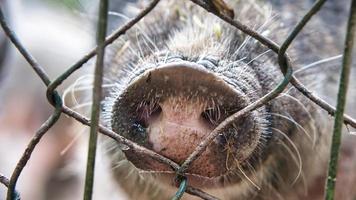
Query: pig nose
(171, 109)
(177, 126)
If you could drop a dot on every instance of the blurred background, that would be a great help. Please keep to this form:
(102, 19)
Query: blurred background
(57, 33)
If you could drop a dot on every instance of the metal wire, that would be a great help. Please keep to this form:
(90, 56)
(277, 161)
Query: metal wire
(341, 102)
(97, 93)
(55, 100)
(182, 188)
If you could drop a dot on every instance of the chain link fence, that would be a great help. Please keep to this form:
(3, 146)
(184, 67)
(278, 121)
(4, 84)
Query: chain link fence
(222, 11)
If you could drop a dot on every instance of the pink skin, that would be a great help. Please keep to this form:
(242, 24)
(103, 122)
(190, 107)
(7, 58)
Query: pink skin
(175, 128)
(178, 128)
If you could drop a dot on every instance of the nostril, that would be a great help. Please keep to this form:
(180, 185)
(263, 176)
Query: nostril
(147, 112)
(211, 116)
(157, 110)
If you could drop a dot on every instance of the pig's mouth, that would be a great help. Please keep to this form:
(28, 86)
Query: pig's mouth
(170, 109)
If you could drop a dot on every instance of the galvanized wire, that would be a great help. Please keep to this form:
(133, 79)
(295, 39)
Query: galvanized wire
(55, 100)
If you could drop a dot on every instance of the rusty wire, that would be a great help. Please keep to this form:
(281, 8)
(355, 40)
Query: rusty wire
(55, 100)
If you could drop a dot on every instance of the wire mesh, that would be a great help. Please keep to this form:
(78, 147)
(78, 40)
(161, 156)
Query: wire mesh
(219, 9)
